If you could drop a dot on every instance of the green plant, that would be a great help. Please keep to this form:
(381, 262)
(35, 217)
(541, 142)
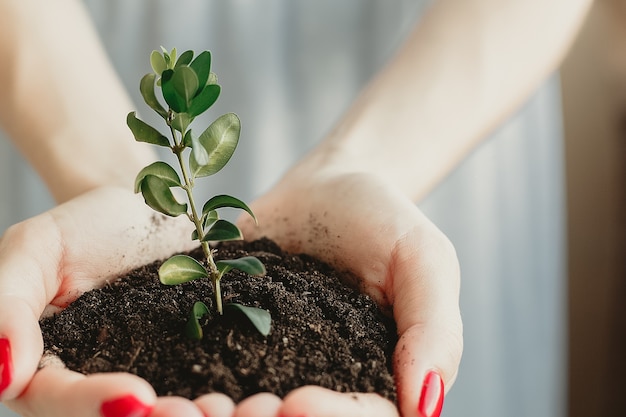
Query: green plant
(189, 88)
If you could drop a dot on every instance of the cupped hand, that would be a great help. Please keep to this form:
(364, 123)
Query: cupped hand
(365, 226)
(356, 222)
(48, 261)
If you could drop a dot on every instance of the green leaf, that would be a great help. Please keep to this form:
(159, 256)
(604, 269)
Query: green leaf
(157, 194)
(188, 139)
(205, 99)
(261, 319)
(185, 83)
(157, 61)
(222, 230)
(202, 67)
(181, 268)
(220, 141)
(158, 169)
(146, 86)
(184, 59)
(143, 132)
(208, 220)
(193, 330)
(181, 121)
(170, 94)
(200, 155)
(220, 201)
(248, 264)
(172, 58)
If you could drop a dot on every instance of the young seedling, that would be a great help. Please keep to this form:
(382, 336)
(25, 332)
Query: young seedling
(189, 88)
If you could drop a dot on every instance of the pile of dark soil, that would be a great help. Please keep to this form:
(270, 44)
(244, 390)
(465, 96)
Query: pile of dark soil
(323, 333)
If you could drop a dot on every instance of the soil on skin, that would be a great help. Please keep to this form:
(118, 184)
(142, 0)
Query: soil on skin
(323, 333)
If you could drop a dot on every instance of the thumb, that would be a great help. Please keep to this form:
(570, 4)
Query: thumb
(426, 282)
(22, 299)
(425, 371)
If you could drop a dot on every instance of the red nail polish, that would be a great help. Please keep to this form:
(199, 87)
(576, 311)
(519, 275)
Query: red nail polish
(127, 406)
(6, 364)
(431, 399)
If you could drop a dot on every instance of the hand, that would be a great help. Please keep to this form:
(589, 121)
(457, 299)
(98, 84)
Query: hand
(105, 224)
(48, 261)
(363, 225)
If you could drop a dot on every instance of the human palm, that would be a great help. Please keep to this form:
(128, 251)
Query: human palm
(367, 228)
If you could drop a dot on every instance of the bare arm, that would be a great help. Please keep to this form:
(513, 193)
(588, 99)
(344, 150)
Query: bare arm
(61, 102)
(465, 67)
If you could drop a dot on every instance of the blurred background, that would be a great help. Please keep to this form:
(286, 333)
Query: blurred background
(593, 79)
(594, 101)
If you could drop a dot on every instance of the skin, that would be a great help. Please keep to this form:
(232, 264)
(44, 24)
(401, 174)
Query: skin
(470, 62)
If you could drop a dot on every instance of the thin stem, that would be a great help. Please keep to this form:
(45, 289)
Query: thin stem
(214, 273)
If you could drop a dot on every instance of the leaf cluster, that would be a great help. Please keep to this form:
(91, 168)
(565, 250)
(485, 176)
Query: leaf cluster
(188, 88)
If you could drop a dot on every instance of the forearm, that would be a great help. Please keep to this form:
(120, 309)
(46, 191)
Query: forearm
(465, 67)
(61, 102)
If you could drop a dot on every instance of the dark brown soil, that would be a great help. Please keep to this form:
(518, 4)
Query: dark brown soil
(323, 333)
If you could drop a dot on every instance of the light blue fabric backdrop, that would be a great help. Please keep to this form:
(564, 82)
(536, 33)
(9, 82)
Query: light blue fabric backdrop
(289, 69)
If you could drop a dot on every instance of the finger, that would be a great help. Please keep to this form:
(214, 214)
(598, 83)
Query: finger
(23, 295)
(320, 402)
(176, 407)
(59, 392)
(47, 262)
(216, 405)
(426, 282)
(259, 405)
(20, 346)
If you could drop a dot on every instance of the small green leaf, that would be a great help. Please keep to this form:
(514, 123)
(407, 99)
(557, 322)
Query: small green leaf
(157, 194)
(157, 61)
(143, 132)
(205, 99)
(181, 121)
(248, 264)
(193, 328)
(220, 201)
(220, 141)
(200, 155)
(158, 169)
(181, 268)
(186, 84)
(172, 58)
(187, 140)
(222, 230)
(208, 220)
(146, 86)
(202, 67)
(170, 94)
(261, 319)
(184, 59)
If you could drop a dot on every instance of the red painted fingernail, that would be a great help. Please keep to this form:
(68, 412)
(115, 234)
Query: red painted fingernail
(431, 399)
(6, 365)
(127, 406)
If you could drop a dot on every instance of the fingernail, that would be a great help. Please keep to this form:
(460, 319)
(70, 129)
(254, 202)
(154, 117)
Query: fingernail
(6, 364)
(127, 406)
(431, 399)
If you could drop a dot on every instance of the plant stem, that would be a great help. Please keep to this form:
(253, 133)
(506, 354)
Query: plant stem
(214, 273)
